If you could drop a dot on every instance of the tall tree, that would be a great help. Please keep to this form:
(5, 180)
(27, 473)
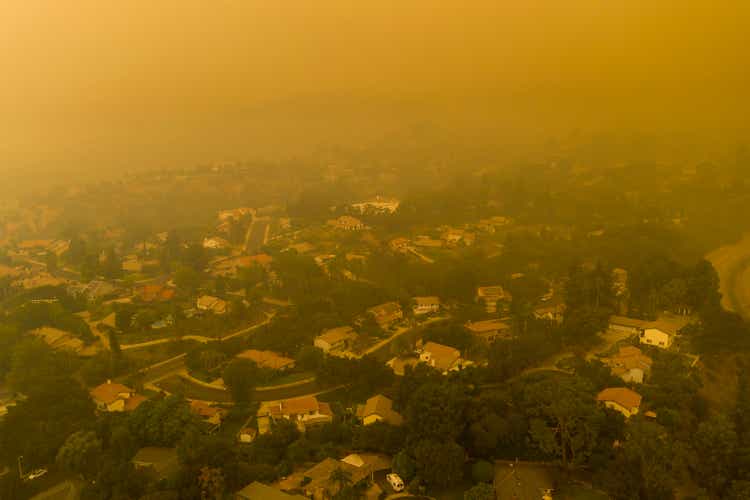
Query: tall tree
(80, 454)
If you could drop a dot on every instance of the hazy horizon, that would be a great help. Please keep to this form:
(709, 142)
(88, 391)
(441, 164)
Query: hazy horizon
(95, 87)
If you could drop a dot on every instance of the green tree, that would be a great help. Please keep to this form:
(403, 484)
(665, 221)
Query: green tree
(647, 459)
(439, 463)
(9, 336)
(404, 465)
(715, 443)
(437, 411)
(33, 362)
(212, 483)
(564, 419)
(341, 478)
(240, 376)
(188, 278)
(482, 472)
(481, 491)
(161, 422)
(37, 427)
(80, 454)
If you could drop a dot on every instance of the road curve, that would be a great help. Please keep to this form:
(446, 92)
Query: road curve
(732, 263)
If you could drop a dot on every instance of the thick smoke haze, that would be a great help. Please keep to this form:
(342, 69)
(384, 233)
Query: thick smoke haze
(94, 86)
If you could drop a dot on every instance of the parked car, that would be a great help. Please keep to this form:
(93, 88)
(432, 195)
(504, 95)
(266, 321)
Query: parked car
(395, 481)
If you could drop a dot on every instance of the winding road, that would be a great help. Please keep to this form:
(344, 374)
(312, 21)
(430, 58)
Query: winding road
(732, 263)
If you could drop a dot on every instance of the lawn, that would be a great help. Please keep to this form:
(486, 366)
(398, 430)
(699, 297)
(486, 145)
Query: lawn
(289, 378)
(576, 492)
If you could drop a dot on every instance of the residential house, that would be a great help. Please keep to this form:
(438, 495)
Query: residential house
(93, 290)
(267, 359)
(316, 482)
(347, 223)
(441, 357)
(400, 363)
(488, 330)
(260, 491)
(379, 409)
(551, 312)
(212, 304)
(621, 399)
(399, 245)
(302, 247)
(155, 293)
(208, 413)
(628, 325)
(492, 296)
(114, 397)
(229, 267)
(386, 314)
(304, 411)
(132, 264)
(160, 463)
(377, 205)
(10, 272)
(235, 213)
(426, 305)
(39, 280)
(656, 337)
(453, 237)
(247, 435)
(630, 364)
(215, 243)
(427, 242)
(336, 340)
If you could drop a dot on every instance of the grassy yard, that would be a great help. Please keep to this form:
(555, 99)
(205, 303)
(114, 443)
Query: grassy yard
(576, 492)
(289, 378)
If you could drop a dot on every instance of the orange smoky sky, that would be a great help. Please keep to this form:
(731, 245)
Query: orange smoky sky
(113, 84)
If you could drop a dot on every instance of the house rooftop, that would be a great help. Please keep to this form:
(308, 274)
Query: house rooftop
(443, 355)
(334, 335)
(427, 301)
(383, 407)
(109, 392)
(623, 396)
(266, 359)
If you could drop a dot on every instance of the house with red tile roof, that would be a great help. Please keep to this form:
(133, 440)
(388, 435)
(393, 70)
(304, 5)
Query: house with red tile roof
(211, 414)
(621, 399)
(305, 411)
(114, 397)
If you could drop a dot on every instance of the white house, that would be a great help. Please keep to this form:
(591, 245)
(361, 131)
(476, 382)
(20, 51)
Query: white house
(336, 339)
(656, 337)
(426, 305)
